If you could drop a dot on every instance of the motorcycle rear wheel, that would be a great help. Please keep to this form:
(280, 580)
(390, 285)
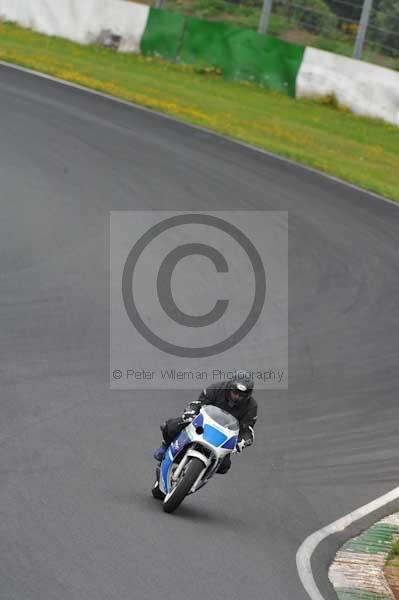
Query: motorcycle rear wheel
(180, 491)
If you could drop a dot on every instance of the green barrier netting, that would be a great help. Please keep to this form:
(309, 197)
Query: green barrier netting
(239, 53)
(243, 54)
(163, 34)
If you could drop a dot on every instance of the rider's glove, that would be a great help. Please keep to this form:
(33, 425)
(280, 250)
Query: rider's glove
(243, 444)
(189, 414)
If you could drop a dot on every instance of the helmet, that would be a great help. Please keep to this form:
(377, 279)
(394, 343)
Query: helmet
(239, 387)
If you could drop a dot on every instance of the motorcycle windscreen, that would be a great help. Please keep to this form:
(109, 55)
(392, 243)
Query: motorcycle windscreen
(221, 417)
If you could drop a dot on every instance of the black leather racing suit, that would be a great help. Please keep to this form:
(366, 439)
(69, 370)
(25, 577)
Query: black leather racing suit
(218, 394)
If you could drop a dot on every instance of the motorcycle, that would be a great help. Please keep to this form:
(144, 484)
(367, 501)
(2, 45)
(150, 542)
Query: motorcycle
(195, 455)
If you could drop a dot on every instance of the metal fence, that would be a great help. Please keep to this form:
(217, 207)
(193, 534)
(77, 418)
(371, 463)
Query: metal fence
(367, 29)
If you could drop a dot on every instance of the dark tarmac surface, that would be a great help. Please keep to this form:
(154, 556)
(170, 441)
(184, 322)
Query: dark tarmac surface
(76, 518)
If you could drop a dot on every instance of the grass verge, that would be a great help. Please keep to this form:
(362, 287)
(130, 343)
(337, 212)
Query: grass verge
(362, 151)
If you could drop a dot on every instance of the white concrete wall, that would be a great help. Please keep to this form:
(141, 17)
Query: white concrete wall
(364, 88)
(81, 20)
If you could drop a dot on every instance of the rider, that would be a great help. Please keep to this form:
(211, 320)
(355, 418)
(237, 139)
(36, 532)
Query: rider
(235, 397)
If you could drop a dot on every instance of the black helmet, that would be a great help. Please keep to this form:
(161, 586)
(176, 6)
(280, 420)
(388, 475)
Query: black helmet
(242, 385)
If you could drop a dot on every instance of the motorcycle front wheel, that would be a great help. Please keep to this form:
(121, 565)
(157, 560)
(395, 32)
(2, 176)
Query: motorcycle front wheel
(184, 485)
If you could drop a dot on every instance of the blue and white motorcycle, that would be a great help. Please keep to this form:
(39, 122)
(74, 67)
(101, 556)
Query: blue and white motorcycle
(195, 455)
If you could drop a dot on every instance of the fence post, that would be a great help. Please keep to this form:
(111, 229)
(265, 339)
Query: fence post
(159, 3)
(264, 19)
(361, 32)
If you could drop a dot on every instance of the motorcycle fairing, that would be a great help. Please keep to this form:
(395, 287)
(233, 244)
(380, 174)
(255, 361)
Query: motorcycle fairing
(213, 435)
(178, 444)
(167, 461)
(200, 430)
(230, 444)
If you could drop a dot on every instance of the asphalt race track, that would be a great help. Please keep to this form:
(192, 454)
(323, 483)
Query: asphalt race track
(76, 518)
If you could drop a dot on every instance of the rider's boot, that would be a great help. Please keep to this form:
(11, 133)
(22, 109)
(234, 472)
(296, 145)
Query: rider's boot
(160, 452)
